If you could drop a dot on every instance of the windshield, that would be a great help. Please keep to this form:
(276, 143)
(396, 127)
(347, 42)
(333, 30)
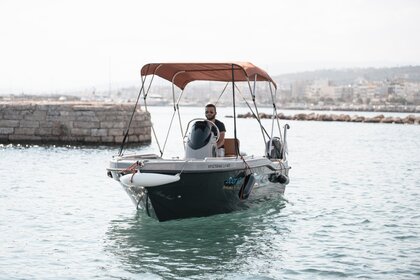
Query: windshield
(200, 135)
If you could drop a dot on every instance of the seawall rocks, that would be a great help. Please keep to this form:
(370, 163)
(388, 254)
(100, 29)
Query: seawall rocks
(71, 122)
(410, 119)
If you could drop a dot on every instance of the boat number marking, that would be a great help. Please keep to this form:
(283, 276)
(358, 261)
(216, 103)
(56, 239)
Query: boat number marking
(232, 183)
(224, 165)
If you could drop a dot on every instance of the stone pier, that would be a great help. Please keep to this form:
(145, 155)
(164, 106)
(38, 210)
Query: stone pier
(410, 119)
(71, 123)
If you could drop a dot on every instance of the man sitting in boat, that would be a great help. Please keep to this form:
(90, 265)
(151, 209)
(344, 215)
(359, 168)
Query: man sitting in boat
(211, 116)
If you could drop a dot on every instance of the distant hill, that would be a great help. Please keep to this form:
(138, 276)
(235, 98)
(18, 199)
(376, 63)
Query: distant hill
(347, 76)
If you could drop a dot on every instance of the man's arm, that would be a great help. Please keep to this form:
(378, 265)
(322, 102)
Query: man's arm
(221, 141)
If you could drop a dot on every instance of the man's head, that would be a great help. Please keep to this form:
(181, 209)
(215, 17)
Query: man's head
(210, 112)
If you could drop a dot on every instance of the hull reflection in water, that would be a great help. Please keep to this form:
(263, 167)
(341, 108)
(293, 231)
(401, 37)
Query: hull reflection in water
(189, 248)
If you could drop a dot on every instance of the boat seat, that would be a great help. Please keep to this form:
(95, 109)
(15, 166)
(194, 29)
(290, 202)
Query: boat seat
(230, 147)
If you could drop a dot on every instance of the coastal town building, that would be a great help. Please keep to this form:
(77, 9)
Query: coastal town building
(387, 89)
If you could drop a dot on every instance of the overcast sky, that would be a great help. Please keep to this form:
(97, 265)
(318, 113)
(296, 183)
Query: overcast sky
(64, 45)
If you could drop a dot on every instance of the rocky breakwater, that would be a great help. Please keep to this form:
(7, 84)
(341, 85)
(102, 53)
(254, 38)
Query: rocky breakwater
(410, 119)
(71, 123)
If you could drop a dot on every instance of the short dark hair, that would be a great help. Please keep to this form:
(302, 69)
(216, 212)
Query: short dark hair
(212, 106)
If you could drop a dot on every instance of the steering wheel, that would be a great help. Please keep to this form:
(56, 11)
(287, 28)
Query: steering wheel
(210, 122)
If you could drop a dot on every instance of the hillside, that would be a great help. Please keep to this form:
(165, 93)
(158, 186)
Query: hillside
(346, 76)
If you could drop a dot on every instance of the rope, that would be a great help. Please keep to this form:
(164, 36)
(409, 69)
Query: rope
(253, 114)
(223, 91)
(129, 123)
(143, 81)
(183, 167)
(132, 169)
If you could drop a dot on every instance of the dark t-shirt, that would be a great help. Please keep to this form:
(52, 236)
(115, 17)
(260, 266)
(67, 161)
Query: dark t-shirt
(220, 126)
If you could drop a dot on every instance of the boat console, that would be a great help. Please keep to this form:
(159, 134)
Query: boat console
(274, 150)
(201, 142)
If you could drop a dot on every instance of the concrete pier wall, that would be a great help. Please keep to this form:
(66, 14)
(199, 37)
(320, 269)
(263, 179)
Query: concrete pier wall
(410, 119)
(71, 122)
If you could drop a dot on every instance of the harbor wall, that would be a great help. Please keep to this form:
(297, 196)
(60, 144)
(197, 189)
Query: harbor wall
(410, 119)
(72, 123)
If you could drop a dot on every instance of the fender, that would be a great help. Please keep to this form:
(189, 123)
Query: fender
(148, 179)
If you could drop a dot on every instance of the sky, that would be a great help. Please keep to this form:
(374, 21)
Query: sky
(57, 46)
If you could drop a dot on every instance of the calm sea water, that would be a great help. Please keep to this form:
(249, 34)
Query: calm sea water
(353, 211)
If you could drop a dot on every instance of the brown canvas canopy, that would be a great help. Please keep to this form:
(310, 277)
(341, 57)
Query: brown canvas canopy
(182, 73)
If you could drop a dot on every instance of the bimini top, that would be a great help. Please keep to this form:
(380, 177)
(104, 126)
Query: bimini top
(181, 74)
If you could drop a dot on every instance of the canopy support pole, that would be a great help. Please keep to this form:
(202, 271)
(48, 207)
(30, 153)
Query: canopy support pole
(176, 104)
(234, 111)
(273, 98)
(145, 94)
(253, 94)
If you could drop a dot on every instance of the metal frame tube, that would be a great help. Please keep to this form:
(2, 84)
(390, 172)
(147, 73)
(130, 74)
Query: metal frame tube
(176, 104)
(275, 109)
(253, 94)
(152, 126)
(234, 111)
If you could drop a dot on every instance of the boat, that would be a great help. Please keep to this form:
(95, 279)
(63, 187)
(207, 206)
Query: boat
(201, 182)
